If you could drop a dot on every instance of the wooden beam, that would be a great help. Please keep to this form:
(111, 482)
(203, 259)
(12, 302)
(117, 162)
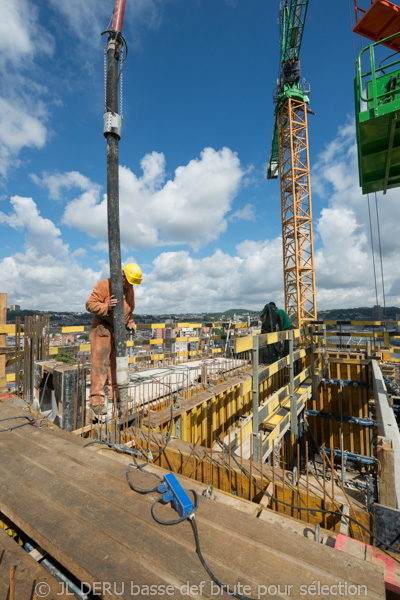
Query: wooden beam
(386, 473)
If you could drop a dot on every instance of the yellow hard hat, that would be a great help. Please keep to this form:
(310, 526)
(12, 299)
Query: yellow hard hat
(133, 274)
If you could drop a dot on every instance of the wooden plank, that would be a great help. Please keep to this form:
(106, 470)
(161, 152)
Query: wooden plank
(93, 539)
(29, 575)
(106, 514)
(62, 443)
(386, 473)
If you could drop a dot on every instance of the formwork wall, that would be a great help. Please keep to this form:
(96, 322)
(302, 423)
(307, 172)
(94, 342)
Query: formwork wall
(357, 438)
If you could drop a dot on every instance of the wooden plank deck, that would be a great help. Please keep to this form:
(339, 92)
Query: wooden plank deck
(76, 504)
(28, 574)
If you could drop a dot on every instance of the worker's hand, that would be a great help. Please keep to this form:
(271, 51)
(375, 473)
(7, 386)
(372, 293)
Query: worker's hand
(131, 326)
(112, 302)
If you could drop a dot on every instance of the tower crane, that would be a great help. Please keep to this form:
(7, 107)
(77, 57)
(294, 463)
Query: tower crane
(290, 158)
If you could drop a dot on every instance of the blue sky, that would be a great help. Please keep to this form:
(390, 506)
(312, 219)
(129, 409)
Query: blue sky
(197, 212)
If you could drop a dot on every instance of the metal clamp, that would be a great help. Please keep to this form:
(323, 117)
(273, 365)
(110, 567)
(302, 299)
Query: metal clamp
(209, 493)
(112, 124)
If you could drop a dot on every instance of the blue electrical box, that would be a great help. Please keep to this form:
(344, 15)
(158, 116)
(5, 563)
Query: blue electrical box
(173, 492)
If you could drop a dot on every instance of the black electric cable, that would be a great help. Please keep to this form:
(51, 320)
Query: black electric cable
(191, 518)
(141, 468)
(118, 35)
(31, 421)
(175, 521)
(117, 447)
(223, 586)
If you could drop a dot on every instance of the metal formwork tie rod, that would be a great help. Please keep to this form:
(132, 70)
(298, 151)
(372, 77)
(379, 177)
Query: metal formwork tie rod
(367, 460)
(356, 420)
(346, 382)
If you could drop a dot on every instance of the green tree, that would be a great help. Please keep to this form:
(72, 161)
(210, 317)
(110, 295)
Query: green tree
(67, 359)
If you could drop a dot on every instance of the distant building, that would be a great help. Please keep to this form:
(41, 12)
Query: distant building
(62, 339)
(377, 313)
(15, 307)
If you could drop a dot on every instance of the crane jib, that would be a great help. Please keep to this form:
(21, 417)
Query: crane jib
(293, 20)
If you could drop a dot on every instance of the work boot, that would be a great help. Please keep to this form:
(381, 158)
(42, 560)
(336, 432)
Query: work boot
(99, 409)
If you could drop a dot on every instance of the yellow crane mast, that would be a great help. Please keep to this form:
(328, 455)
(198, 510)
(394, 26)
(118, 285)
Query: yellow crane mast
(290, 157)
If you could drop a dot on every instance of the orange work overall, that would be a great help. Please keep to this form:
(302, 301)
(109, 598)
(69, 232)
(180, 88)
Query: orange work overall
(102, 340)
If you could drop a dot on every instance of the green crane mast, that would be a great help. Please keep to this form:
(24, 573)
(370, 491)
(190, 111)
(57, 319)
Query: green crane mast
(292, 17)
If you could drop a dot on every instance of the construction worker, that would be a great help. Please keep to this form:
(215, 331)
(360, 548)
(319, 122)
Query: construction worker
(274, 319)
(101, 304)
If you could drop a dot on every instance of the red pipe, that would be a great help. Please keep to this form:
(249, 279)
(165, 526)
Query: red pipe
(118, 15)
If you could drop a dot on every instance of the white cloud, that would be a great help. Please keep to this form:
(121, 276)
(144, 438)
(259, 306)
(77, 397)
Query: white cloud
(57, 181)
(190, 208)
(79, 253)
(44, 282)
(155, 211)
(23, 114)
(247, 213)
(21, 34)
(345, 243)
(179, 282)
(41, 234)
(344, 265)
(18, 129)
(43, 274)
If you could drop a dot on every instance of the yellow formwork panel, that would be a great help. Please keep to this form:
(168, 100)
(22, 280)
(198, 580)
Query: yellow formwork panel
(246, 343)
(246, 387)
(243, 344)
(72, 329)
(190, 325)
(275, 419)
(58, 349)
(7, 329)
(274, 405)
(216, 350)
(157, 356)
